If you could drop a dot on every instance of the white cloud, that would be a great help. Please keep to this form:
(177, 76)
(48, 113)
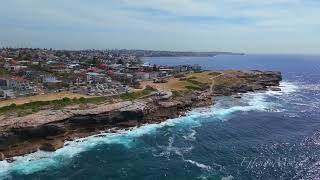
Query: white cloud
(166, 24)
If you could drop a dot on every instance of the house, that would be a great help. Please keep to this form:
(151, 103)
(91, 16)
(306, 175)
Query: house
(60, 68)
(74, 66)
(165, 69)
(17, 68)
(132, 69)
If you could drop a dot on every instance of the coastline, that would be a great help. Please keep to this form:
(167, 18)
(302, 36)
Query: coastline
(69, 124)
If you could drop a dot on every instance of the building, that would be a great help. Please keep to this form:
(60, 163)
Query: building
(7, 94)
(52, 82)
(59, 68)
(19, 84)
(164, 72)
(94, 78)
(17, 68)
(4, 83)
(142, 75)
(123, 77)
(196, 67)
(180, 68)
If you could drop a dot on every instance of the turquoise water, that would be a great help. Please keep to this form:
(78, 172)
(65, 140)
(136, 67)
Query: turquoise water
(265, 135)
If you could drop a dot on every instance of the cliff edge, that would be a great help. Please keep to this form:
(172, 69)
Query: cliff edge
(48, 129)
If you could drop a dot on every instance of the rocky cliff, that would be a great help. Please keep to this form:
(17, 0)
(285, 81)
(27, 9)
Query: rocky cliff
(48, 129)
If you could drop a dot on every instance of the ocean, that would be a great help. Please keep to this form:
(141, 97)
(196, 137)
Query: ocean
(264, 135)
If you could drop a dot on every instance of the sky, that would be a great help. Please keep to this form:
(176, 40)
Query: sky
(249, 26)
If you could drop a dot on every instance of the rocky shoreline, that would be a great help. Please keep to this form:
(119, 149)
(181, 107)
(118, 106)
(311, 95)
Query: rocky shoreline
(48, 129)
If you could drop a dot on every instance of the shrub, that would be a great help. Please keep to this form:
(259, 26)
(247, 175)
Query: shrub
(56, 104)
(138, 94)
(198, 84)
(65, 99)
(149, 88)
(82, 100)
(192, 77)
(176, 93)
(179, 75)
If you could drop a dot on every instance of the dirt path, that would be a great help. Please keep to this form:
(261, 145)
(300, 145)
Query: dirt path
(212, 78)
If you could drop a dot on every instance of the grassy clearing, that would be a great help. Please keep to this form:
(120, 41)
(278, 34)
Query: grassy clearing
(45, 97)
(198, 81)
(173, 84)
(227, 80)
(195, 88)
(137, 94)
(196, 85)
(35, 106)
(194, 81)
(204, 77)
(215, 73)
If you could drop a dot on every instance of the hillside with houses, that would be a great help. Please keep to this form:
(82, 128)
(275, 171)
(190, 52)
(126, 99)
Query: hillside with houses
(30, 72)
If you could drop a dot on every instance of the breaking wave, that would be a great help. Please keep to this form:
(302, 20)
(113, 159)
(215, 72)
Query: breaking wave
(221, 111)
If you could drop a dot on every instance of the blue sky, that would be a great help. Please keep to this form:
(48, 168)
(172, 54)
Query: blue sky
(251, 26)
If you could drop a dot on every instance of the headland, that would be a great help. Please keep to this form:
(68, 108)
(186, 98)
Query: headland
(49, 127)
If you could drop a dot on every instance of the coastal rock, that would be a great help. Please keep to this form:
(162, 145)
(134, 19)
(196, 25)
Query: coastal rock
(127, 124)
(51, 146)
(54, 129)
(2, 157)
(275, 89)
(169, 104)
(256, 87)
(10, 160)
